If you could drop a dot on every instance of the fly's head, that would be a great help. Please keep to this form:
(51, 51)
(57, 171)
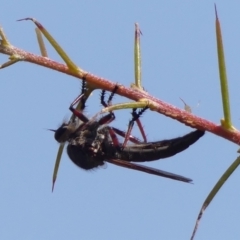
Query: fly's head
(66, 131)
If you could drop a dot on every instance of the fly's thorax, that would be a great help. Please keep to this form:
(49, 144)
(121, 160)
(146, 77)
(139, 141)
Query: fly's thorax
(85, 149)
(89, 139)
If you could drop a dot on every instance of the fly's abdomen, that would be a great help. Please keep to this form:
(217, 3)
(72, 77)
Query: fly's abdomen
(156, 150)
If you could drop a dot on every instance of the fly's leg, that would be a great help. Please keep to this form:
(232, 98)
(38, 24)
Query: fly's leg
(113, 134)
(135, 118)
(109, 117)
(149, 170)
(80, 98)
(83, 100)
(123, 134)
(63, 133)
(114, 137)
(108, 103)
(78, 113)
(137, 115)
(109, 98)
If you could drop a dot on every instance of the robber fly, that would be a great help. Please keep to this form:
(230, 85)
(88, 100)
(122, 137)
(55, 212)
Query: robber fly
(93, 142)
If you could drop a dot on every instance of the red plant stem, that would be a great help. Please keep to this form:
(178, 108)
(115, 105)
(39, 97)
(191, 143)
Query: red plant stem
(134, 94)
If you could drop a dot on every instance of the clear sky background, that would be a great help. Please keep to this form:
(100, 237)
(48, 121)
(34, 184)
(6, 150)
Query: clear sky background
(179, 59)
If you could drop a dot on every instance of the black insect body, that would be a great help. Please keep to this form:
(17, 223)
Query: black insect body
(85, 147)
(152, 151)
(93, 142)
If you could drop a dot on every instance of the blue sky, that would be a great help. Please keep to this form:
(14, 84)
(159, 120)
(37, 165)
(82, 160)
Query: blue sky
(179, 59)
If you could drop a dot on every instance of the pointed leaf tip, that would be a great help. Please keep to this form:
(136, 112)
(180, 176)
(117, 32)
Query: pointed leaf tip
(53, 184)
(215, 7)
(25, 19)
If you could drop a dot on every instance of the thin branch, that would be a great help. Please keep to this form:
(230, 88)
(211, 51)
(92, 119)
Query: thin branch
(134, 94)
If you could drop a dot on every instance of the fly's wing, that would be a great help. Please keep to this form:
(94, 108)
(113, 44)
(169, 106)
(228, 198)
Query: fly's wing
(151, 151)
(149, 170)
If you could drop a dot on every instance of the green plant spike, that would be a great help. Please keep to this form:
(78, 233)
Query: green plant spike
(226, 122)
(138, 77)
(41, 43)
(127, 105)
(71, 65)
(56, 165)
(214, 191)
(5, 43)
(142, 103)
(4, 40)
(137, 59)
(11, 62)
